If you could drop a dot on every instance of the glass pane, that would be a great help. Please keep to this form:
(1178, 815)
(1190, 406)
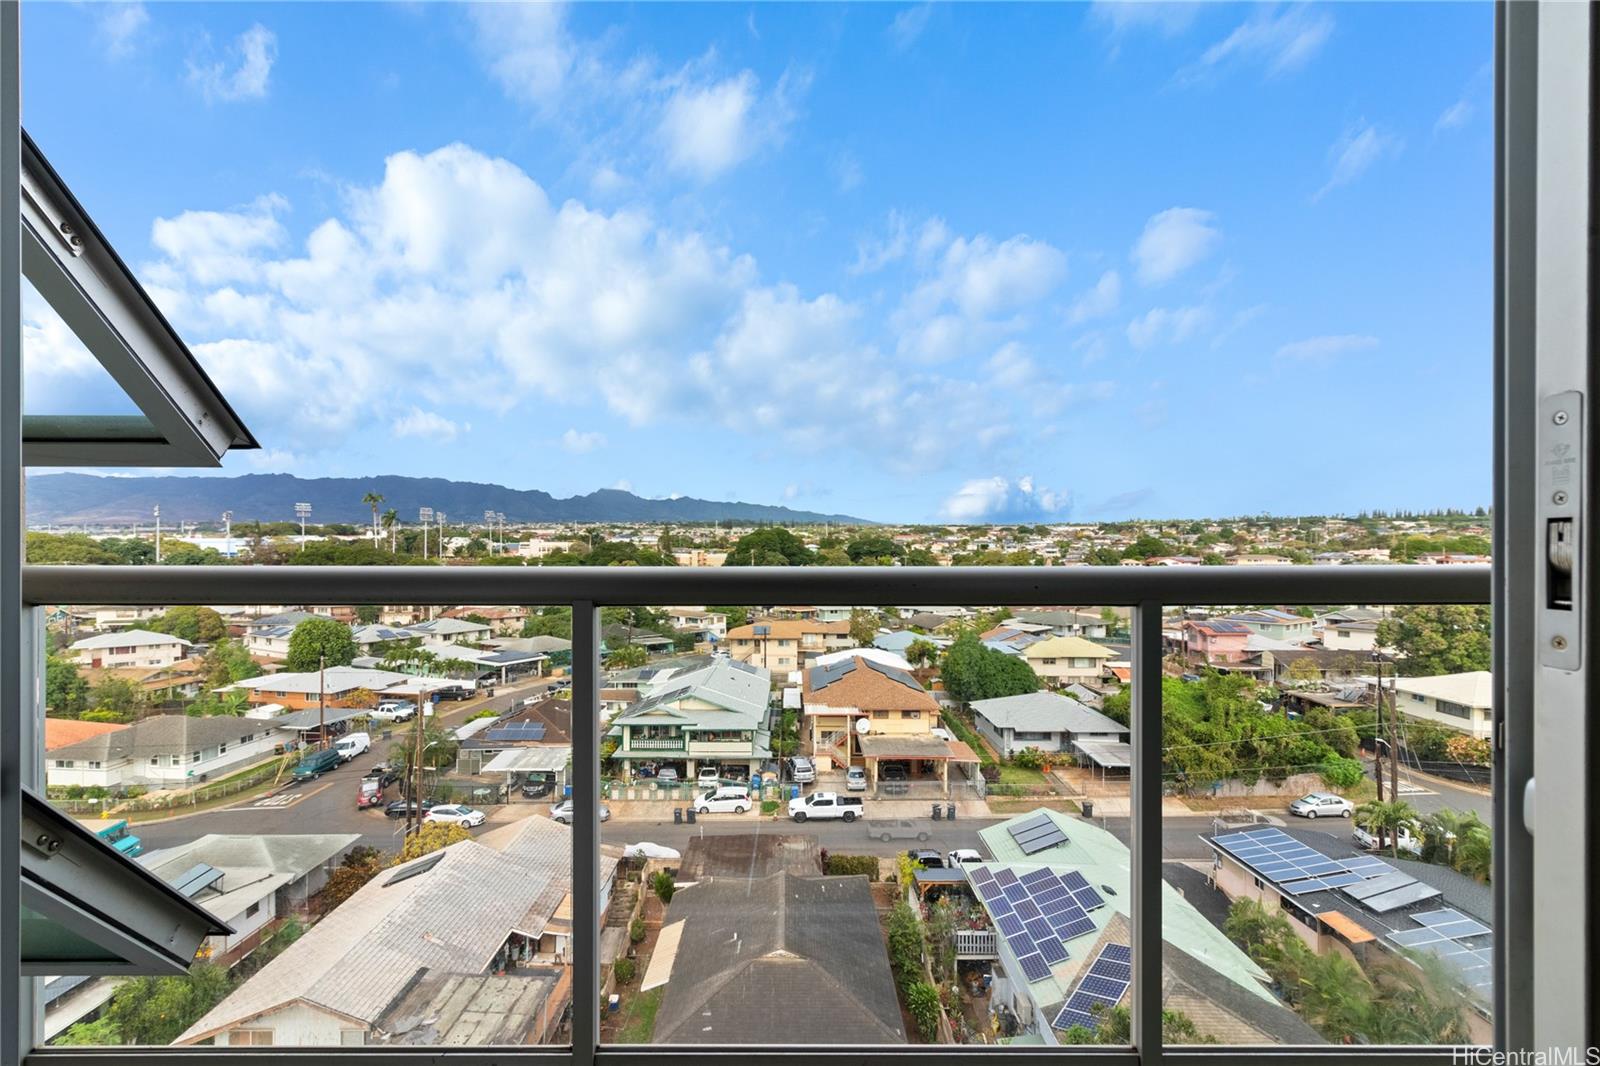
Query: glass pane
(59, 375)
(390, 877)
(1335, 843)
(813, 809)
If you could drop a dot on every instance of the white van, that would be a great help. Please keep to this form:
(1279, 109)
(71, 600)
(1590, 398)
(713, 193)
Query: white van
(732, 799)
(352, 744)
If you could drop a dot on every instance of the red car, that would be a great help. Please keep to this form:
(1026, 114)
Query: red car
(371, 793)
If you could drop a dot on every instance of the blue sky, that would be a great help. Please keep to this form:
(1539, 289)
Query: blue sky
(970, 262)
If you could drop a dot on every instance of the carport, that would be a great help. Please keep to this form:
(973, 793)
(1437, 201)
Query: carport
(1107, 755)
(517, 763)
(876, 747)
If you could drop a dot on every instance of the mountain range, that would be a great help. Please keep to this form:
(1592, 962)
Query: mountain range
(86, 499)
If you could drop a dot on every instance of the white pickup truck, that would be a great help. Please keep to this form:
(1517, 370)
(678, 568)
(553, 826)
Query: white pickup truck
(1368, 839)
(826, 805)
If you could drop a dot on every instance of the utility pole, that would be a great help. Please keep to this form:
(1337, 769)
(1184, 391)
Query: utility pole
(227, 527)
(322, 701)
(1394, 740)
(158, 532)
(488, 520)
(414, 802)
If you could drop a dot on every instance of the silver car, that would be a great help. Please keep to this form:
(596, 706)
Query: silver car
(1322, 805)
(562, 812)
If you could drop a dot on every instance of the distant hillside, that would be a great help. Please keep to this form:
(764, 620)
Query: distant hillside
(71, 499)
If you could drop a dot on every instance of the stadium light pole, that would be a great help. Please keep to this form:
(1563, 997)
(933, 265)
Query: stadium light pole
(158, 532)
(425, 515)
(303, 511)
(227, 533)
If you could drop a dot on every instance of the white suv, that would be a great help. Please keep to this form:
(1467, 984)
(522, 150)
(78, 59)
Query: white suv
(1322, 805)
(728, 800)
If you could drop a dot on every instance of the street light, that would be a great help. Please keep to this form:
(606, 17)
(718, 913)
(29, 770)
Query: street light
(425, 515)
(303, 510)
(227, 528)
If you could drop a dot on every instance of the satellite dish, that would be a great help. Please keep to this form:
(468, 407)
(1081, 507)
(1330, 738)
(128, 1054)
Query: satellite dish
(863, 725)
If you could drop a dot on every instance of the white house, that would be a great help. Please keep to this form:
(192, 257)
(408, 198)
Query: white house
(452, 631)
(1459, 701)
(1357, 635)
(1048, 721)
(167, 751)
(130, 647)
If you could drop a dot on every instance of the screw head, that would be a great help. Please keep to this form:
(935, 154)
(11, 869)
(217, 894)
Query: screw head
(1559, 499)
(1559, 418)
(1558, 642)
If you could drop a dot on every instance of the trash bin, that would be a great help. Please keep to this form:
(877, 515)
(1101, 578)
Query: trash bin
(677, 816)
(938, 812)
(1088, 808)
(691, 816)
(950, 812)
(794, 792)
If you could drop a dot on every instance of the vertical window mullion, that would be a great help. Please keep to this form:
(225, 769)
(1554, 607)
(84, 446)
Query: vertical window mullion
(1145, 718)
(585, 832)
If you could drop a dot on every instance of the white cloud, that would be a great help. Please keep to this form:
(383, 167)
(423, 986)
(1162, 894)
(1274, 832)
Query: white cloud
(1322, 349)
(999, 499)
(120, 25)
(1279, 40)
(243, 72)
(846, 169)
(527, 48)
(709, 128)
(1098, 301)
(908, 25)
(1454, 117)
(1125, 16)
(579, 442)
(429, 425)
(1173, 241)
(621, 485)
(968, 287)
(1011, 367)
(221, 246)
(1169, 325)
(1360, 146)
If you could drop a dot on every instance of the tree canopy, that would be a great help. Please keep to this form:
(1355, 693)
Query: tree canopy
(770, 546)
(320, 642)
(198, 625)
(1438, 639)
(974, 672)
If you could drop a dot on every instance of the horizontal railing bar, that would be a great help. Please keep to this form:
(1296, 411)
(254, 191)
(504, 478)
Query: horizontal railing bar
(661, 1055)
(1015, 586)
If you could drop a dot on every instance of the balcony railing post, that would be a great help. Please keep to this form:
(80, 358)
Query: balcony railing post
(585, 832)
(1146, 831)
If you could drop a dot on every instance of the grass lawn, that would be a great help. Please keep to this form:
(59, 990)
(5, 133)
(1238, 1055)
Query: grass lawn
(637, 1020)
(1017, 775)
(210, 804)
(1008, 805)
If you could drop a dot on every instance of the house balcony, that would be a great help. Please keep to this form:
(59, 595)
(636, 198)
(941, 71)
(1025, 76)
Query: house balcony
(655, 744)
(976, 944)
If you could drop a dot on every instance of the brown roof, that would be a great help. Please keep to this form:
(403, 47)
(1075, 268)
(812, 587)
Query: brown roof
(787, 629)
(868, 689)
(59, 732)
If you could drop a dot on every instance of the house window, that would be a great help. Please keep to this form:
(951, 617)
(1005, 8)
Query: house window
(250, 1038)
(880, 714)
(222, 749)
(63, 764)
(93, 765)
(910, 714)
(1049, 662)
(194, 756)
(1454, 710)
(253, 910)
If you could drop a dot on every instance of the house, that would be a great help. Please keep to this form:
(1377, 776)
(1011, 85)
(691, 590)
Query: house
(452, 630)
(699, 557)
(504, 621)
(1204, 974)
(499, 901)
(1280, 625)
(267, 637)
(1048, 721)
(782, 646)
(338, 686)
(112, 617)
(64, 732)
(1355, 635)
(1067, 660)
(839, 696)
(1457, 701)
(528, 724)
(698, 620)
(1283, 666)
(1065, 622)
(479, 1010)
(252, 882)
(900, 640)
(166, 751)
(1211, 642)
(129, 648)
(716, 716)
(617, 636)
(1373, 913)
(807, 961)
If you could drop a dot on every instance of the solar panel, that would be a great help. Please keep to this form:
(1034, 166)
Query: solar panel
(1022, 944)
(1052, 950)
(1050, 893)
(1412, 938)
(421, 866)
(1074, 929)
(516, 731)
(1034, 967)
(1340, 880)
(1117, 953)
(1462, 929)
(1073, 880)
(1016, 893)
(1042, 841)
(1009, 924)
(1300, 888)
(1121, 971)
(1028, 909)
(1449, 918)
(1102, 987)
(1000, 905)
(1005, 876)
(1032, 823)
(1379, 885)
(1036, 879)
(1088, 899)
(989, 892)
(1039, 929)
(197, 879)
(982, 876)
(1404, 896)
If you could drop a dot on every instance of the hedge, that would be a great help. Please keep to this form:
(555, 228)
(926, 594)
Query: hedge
(852, 864)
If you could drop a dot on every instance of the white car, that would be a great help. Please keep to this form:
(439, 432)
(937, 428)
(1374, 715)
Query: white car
(962, 857)
(729, 800)
(855, 779)
(646, 850)
(1322, 805)
(708, 777)
(392, 712)
(352, 744)
(457, 814)
(1368, 839)
(562, 812)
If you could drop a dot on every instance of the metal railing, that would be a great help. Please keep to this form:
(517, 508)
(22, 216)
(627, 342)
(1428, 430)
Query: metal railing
(586, 590)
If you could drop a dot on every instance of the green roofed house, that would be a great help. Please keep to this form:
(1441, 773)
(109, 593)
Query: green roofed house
(712, 716)
(1058, 898)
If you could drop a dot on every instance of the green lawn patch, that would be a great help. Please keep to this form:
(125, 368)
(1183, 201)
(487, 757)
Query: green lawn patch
(1018, 775)
(637, 1023)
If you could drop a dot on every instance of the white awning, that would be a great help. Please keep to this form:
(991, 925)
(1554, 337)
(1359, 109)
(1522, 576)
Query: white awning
(543, 759)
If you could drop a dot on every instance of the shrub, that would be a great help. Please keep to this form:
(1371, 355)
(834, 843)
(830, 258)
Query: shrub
(922, 1001)
(134, 791)
(485, 713)
(990, 772)
(905, 945)
(1339, 772)
(623, 970)
(845, 865)
(1028, 758)
(661, 883)
(636, 930)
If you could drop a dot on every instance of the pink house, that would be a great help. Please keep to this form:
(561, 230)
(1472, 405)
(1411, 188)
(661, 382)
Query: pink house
(1215, 642)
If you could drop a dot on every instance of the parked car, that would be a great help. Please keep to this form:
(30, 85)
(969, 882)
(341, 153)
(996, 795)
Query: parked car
(383, 773)
(398, 809)
(802, 770)
(822, 805)
(315, 764)
(962, 857)
(667, 775)
(855, 779)
(1322, 805)
(562, 812)
(352, 744)
(394, 711)
(370, 793)
(1407, 841)
(456, 814)
(893, 771)
(887, 829)
(731, 799)
(536, 785)
(927, 858)
(646, 850)
(708, 777)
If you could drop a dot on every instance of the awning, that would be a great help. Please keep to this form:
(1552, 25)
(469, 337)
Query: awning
(889, 746)
(1106, 754)
(1346, 926)
(546, 759)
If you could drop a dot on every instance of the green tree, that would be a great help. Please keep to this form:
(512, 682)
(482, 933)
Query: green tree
(737, 616)
(1103, 556)
(626, 657)
(320, 641)
(873, 549)
(117, 694)
(367, 614)
(1438, 639)
(227, 662)
(904, 936)
(662, 884)
(1305, 668)
(102, 1032)
(155, 1010)
(1385, 819)
(432, 837)
(922, 1002)
(972, 671)
(359, 865)
(769, 546)
(863, 626)
(1148, 547)
(76, 549)
(922, 653)
(372, 500)
(549, 622)
(198, 625)
(66, 693)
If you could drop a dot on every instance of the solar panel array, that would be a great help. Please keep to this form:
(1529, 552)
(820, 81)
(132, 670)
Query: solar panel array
(1103, 987)
(1298, 869)
(197, 879)
(516, 731)
(1037, 833)
(893, 673)
(823, 676)
(1037, 912)
(1443, 934)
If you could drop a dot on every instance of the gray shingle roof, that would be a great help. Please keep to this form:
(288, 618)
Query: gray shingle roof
(1045, 712)
(162, 735)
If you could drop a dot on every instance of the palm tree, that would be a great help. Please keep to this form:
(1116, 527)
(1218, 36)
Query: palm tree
(372, 499)
(391, 520)
(1386, 818)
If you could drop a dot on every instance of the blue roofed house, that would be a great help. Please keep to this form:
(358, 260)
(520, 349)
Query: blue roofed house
(1279, 625)
(715, 715)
